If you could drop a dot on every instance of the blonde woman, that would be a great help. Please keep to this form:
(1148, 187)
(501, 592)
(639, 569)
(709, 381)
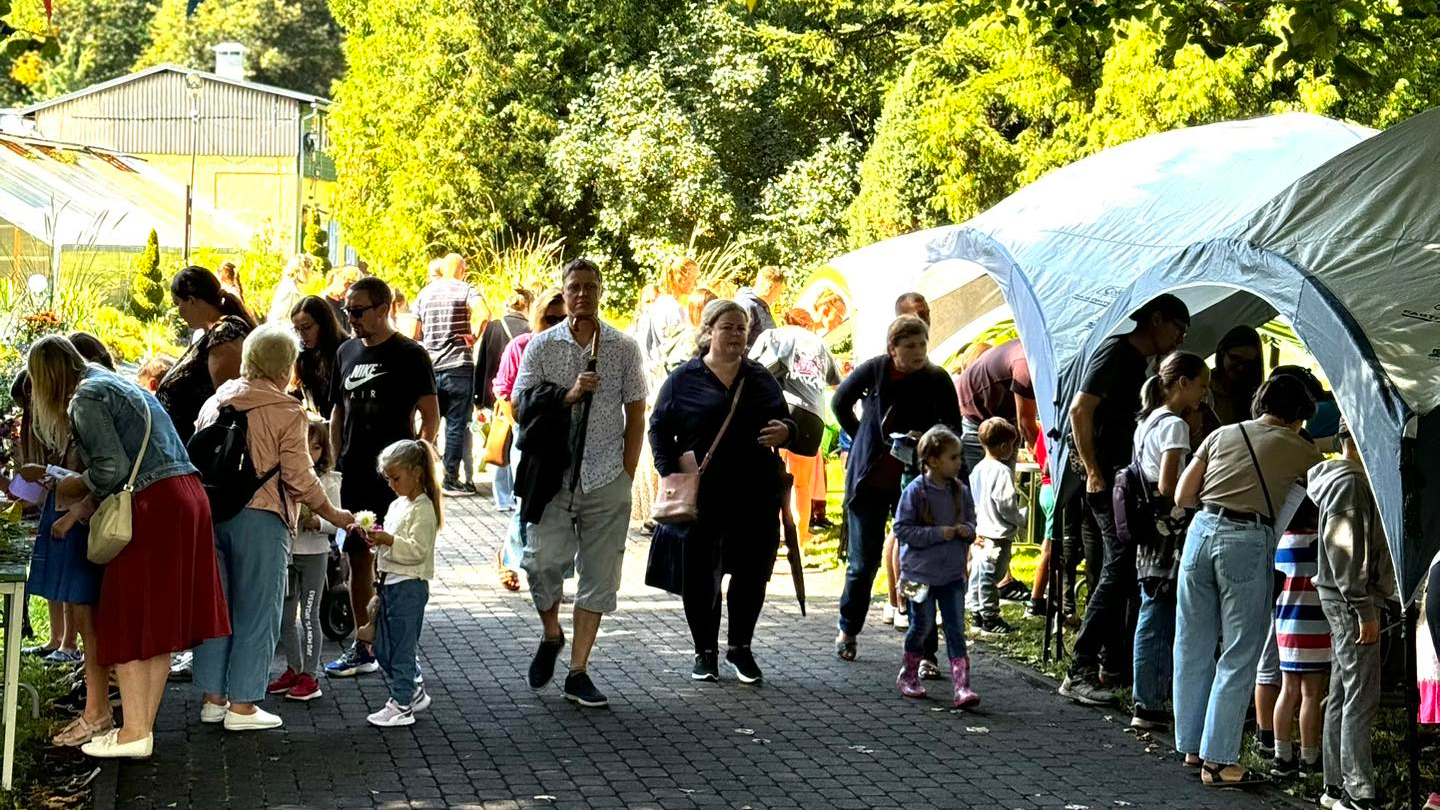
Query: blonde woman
(161, 594)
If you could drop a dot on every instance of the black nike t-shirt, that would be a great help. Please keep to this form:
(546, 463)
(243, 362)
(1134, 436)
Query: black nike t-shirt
(379, 387)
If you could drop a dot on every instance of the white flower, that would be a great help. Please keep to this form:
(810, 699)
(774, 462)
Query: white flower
(365, 519)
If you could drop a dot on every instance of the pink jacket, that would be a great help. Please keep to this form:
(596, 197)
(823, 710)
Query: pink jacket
(504, 382)
(277, 427)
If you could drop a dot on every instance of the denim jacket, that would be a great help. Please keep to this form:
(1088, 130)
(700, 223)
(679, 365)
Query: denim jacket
(108, 426)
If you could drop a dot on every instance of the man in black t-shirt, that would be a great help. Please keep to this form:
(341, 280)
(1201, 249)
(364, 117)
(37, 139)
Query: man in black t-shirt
(1102, 422)
(381, 379)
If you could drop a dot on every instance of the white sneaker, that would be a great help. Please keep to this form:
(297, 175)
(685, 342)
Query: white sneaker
(902, 620)
(392, 715)
(887, 614)
(258, 721)
(108, 746)
(211, 714)
(421, 700)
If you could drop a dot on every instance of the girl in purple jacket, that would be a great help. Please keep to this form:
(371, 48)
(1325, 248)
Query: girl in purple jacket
(935, 525)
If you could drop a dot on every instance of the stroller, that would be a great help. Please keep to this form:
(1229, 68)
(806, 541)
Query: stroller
(337, 621)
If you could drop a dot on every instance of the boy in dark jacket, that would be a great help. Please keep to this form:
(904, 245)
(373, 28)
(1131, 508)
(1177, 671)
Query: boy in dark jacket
(1355, 579)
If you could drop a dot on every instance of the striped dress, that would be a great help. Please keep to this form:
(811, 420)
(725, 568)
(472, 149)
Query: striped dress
(1301, 631)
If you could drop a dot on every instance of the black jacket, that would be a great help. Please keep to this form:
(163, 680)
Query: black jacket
(488, 351)
(919, 401)
(542, 433)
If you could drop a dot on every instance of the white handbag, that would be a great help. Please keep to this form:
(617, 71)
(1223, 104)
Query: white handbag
(110, 525)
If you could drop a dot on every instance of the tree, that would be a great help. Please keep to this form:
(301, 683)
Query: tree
(97, 40)
(317, 239)
(293, 44)
(148, 290)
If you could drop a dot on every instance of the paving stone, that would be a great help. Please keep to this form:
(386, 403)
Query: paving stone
(820, 733)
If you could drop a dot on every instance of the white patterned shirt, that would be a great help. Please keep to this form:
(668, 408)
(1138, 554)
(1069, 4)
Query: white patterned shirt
(553, 356)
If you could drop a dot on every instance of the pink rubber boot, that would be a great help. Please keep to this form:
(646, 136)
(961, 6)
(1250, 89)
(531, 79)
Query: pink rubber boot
(909, 678)
(965, 697)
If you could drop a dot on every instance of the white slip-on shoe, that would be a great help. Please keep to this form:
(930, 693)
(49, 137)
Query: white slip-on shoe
(108, 746)
(258, 721)
(211, 713)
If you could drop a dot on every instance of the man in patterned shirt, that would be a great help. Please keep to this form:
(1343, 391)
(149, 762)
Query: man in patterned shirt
(451, 314)
(584, 524)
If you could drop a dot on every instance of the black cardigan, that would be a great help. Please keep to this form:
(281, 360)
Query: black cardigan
(743, 475)
(930, 400)
(542, 432)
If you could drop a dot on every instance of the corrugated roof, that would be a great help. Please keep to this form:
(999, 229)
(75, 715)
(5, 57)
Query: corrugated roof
(126, 79)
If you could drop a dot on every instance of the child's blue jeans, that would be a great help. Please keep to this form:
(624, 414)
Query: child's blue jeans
(397, 635)
(951, 600)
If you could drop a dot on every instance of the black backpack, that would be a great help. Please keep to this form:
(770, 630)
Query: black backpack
(1136, 508)
(221, 452)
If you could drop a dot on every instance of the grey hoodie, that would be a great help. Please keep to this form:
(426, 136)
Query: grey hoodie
(1355, 564)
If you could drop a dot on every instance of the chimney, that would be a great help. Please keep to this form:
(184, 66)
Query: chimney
(230, 60)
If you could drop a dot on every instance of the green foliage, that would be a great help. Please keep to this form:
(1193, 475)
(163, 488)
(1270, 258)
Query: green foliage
(317, 239)
(291, 43)
(97, 40)
(802, 211)
(149, 294)
(129, 338)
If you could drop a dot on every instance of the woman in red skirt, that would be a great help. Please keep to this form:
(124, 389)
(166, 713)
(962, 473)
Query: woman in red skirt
(161, 594)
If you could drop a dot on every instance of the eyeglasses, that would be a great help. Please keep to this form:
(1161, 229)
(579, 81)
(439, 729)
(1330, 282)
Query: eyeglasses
(355, 312)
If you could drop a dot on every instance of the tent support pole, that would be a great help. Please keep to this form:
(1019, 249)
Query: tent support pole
(1412, 699)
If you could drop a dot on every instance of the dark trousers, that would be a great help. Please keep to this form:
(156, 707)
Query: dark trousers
(1113, 608)
(751, 548)
(1081, 543)
(868, 513)
(454, 389)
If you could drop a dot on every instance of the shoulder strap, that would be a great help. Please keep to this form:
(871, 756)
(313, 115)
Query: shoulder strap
(145, 442)
(1135, 451)
(505, 324)
(1270, 505)
(734, 403)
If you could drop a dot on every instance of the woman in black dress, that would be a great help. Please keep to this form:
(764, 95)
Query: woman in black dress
(213, 356)
(738, 528)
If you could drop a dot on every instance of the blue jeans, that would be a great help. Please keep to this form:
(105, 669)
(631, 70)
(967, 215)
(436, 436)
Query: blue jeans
(454, 389)
(250, 550)
(397, 635)
(867, 514)
(1154, 644)
(505, 486)
(951, 601)
(1224, 593)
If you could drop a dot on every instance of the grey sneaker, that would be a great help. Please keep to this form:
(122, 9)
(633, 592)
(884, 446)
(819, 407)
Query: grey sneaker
(1082, 690)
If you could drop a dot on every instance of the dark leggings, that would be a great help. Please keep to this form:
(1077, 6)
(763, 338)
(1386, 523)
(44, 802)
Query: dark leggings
(750, 550)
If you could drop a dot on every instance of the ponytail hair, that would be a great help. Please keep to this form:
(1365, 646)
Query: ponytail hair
(196, 282)
(1175, 367)
(418, 455)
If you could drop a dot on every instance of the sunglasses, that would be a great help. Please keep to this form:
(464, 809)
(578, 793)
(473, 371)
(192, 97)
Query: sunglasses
(356, 312)
(551, 320)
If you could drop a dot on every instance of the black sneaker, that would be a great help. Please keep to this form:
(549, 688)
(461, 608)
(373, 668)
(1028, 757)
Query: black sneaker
(1015, 591)
(1330, 797)
(744, 664)
(821, 522)
(1149, 719)
(456, 487)
(1311, 767)
(580, 689)
(707, 667)
(1081, 687)
(1037, 607)
(1265, 749)
(1348, 802)
(1282, 768)
(542, 666)
(992, 624)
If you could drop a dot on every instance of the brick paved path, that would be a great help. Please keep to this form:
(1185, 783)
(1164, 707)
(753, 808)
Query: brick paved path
(819, 734)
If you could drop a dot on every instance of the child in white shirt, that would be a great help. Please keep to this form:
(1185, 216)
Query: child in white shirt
(405, 558)
(997, 518)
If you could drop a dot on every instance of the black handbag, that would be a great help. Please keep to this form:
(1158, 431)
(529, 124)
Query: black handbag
(809, 432)
(665, 568)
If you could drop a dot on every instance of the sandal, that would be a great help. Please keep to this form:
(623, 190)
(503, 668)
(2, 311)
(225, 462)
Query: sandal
(1247, 777)
(845, 648)
(81, 731)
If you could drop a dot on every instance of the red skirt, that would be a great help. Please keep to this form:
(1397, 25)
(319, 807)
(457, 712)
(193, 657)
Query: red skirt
(162, 593)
